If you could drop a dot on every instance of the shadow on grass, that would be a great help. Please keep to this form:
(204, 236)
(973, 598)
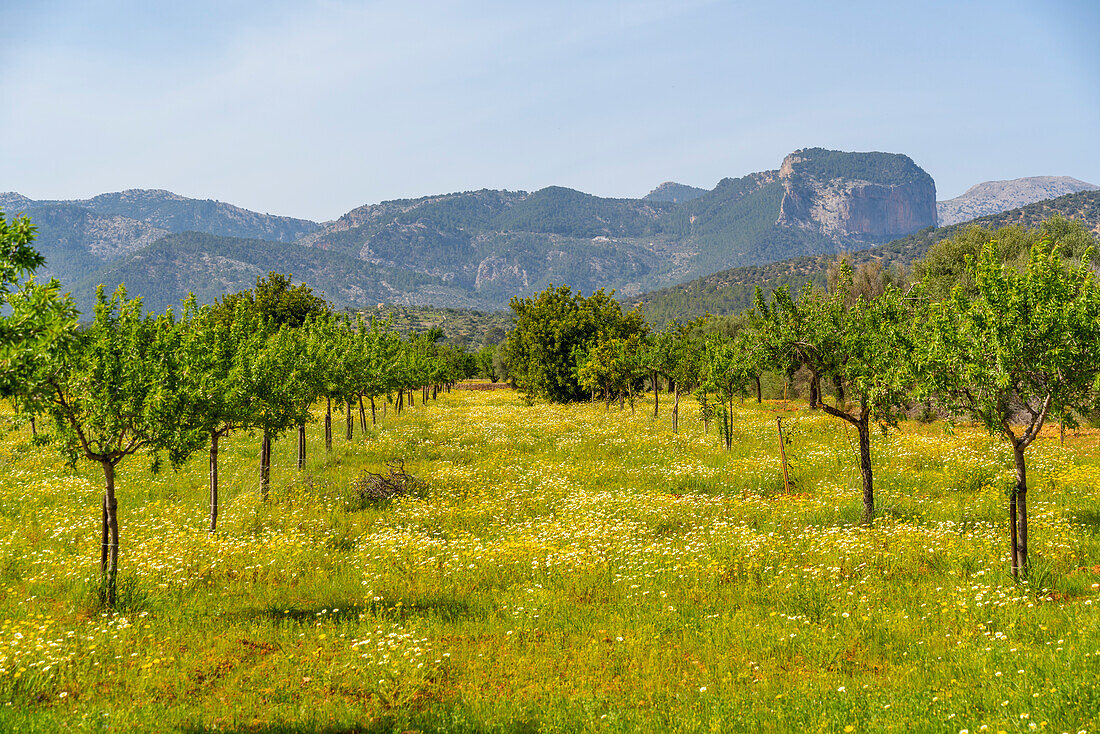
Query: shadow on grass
(1088, 517)
(444, 607)
(384, 726)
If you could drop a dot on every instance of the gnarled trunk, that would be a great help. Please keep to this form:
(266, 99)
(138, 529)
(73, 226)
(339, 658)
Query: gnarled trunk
(1018, 510)
(864, 429)
(759, 394)
(109, 554)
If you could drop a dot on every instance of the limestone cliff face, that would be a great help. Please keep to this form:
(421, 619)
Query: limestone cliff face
(866, 196)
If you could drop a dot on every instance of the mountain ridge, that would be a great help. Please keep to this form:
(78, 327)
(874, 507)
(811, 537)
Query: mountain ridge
(481, 248)
(992, 197)
(732, 290)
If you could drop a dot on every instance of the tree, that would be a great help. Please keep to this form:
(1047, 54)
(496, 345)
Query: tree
(114, 391)
(861, 348)
(554, 331)
(214, 354)
(945, 265)
(39, 320)
(613, 368)
(729, 366)
(484, 361)
(1022, 350)
(676, 355)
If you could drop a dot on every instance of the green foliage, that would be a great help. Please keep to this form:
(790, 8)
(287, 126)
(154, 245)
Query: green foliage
(35, 320)
(945, 264)
(554, 332)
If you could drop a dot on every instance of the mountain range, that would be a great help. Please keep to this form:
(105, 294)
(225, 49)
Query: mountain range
(730, 291)
(478, 249)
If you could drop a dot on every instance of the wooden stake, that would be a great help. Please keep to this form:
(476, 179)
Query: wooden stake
(783, 456)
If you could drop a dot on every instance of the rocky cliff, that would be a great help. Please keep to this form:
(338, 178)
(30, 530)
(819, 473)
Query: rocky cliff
(862, 196)
(994, 197)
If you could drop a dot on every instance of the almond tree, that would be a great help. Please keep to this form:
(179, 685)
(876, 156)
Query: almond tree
(214, 354)
(1024, 349)
(729, 366)
(860, 347)
(112, 393)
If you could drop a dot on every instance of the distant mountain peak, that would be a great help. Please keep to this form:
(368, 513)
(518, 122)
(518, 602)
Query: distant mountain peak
(867, 196)
(675, 193)
(994, 197)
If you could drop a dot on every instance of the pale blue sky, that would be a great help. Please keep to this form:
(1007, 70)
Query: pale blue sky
(312, 108)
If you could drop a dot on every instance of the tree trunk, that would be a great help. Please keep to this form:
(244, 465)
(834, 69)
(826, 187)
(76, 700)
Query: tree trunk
(412, 404)
(759, 394)
(676, 408)
(373, 412)
(435, 392)
(265, 466)
(110, 539)
(670, 387)
(213, 481)
(865, 469)
(1019, 519)
(400, 401)
(363, 415)
(813, 392)
(328, 427)
(349, 423)
(656, 395)
(105, 546)
(34, 427)
(301, 446)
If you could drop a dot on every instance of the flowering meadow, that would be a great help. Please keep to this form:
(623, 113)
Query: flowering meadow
(564, 568)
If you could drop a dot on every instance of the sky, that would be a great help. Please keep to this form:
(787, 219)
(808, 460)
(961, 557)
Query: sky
(310, 109)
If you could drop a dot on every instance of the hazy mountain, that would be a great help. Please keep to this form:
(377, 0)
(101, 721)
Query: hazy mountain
(674, 192)
(174, 213)
(730, 291)
(503, 243)
(992, 197)
(481, 248)
(210, 266)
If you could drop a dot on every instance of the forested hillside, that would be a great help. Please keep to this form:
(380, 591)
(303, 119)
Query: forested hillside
(210, 266)
(732, 290)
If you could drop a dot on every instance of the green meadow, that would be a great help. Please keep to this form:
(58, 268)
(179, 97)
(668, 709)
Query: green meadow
(559, 569)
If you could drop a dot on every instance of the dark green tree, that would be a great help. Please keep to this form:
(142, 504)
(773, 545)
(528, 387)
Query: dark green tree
(553, 333)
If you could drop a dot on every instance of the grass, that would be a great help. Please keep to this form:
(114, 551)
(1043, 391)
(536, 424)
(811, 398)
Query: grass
(566, 570)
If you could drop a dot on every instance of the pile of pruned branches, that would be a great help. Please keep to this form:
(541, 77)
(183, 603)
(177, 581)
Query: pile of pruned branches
(395, 482)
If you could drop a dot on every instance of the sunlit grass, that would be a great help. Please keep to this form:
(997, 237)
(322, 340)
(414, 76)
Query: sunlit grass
(569, 569)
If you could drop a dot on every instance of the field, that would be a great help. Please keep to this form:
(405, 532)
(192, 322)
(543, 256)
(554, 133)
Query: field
(566, 569)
